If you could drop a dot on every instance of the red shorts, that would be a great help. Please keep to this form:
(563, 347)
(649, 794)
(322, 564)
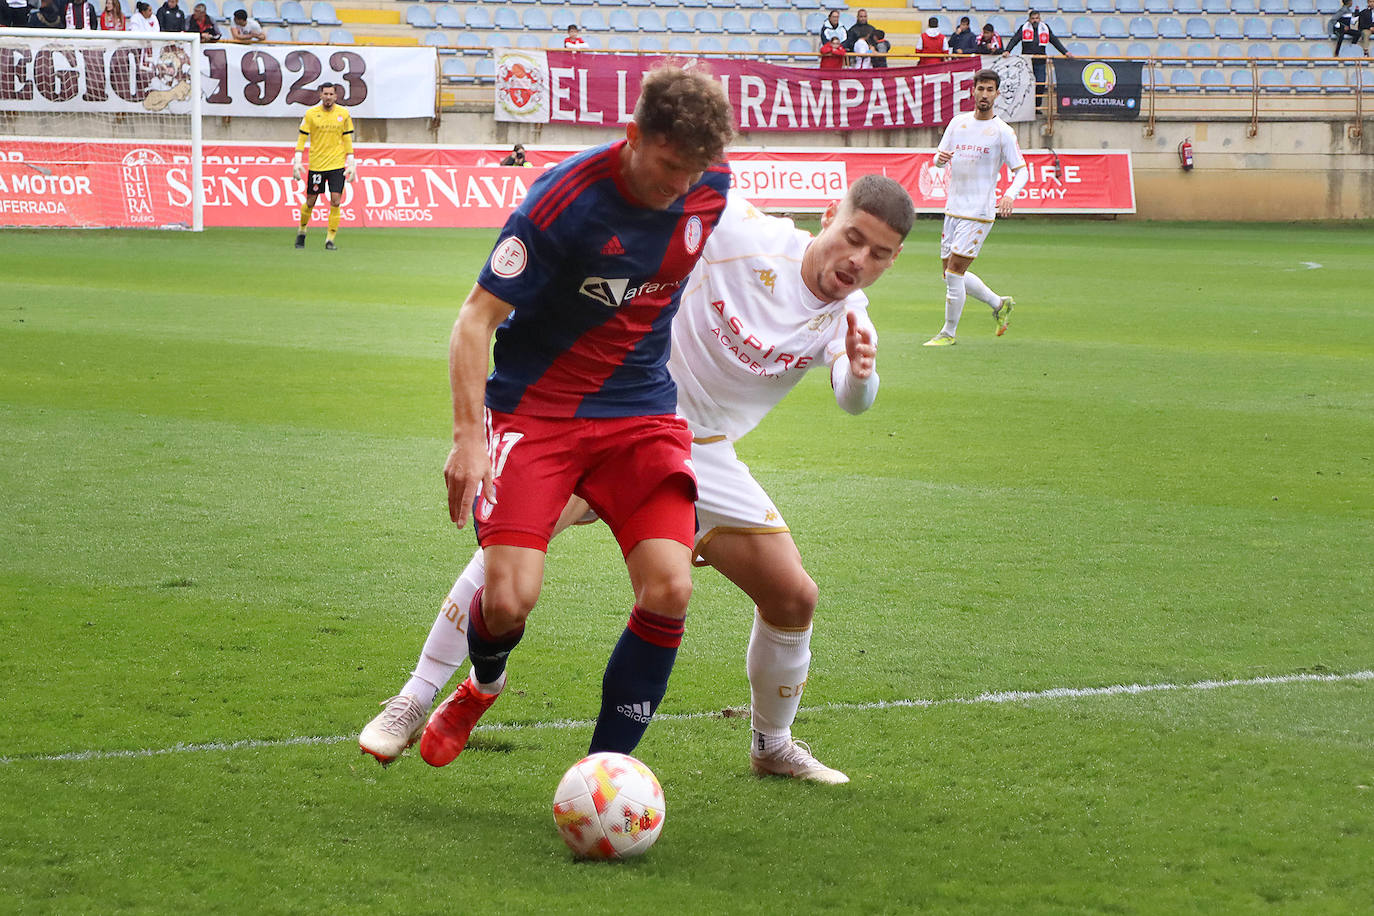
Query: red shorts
(619, 465)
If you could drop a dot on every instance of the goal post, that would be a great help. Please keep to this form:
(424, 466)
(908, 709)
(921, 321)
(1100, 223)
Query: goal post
(100, 130)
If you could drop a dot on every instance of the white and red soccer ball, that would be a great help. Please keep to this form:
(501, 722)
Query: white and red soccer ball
(608, 806)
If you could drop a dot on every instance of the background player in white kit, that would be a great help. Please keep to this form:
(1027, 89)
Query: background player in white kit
(978, 143)
(765, 303)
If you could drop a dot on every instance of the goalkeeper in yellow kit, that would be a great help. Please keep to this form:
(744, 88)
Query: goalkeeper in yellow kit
(329, 128)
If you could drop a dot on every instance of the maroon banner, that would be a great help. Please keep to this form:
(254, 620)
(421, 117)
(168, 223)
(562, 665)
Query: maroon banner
(597, 90)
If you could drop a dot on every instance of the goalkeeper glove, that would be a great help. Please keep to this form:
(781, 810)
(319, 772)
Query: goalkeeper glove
(350, 168)
(297, 169)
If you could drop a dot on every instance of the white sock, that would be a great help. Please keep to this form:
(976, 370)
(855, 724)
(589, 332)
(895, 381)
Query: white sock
(446, 647)
(979, 290)
(777, 662)
(954, 302)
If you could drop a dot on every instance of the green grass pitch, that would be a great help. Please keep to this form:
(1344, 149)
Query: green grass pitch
(224, 533)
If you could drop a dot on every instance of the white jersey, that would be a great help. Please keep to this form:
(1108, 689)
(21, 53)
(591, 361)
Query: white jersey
(748, 328)
(980, 149)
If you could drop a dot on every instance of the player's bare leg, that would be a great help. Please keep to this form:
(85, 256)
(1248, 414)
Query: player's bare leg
(768, 568)
(305, 219)
(335, 200)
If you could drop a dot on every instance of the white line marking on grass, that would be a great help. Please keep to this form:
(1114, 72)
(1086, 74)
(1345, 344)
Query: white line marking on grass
(1005, 696)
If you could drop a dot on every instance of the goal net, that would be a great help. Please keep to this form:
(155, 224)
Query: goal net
(100, 129)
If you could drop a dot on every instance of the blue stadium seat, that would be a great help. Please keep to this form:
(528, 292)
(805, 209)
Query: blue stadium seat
(1187, 7)
(505, 19)
(1311, 28)
(1216, 7)
(1289, 49)
(1255, 27)
(1130, 7)
(1244, 7)
(485, 71)
(292, 13)
(1212, 79)
(1154, 76)
(1085, 27)
(709, 43)
(807, 5)
(419, 17)
(211, 9)
(1002, 26)
(1320, 51)
(1071, 7)
(800, 46)
(677, 23)
(693, 4)
(1138, 50)
(1169, 27)
(1334, 79)
(986, 6)
(620, 22)
(1274, 7)
(1183, 81)
(946, 24)
(535, 19)
(1169, 53)
(1159, 7)
(1328, 7)
(309, 35)
(1197, 27)
(789, 23)
(1113, 27)
(1260, 52)
(1142, 27)
(560, 18)
(619, 42)
(1058, 25)
(340, 37)
(1302, 7)
(593, 21)
(1243, 79)
(1232, 50)
(449, 17)
(778, 4)
(1228, 29)
(649, 21)
(1107, 49)
(813, 21)
(265, 11)
(455, 71)
(278, 35)
(634, 3)
(529, 41)
(1101, 6)
(1352, 50)
(680, 44)
(1078, 49)
(1199, 50)
(435, 39)
(761, 23)
(706, 23)
(323, 14)
(473, 43)
(1304, 80)
(770, 47)
(477, 17)
(499, 40)
(739, 45)
(1273, 81)
(1015, 6)
(1285, 30)
(650, 43)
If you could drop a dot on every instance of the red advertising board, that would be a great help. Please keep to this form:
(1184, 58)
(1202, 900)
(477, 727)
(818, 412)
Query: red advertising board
(121, 183)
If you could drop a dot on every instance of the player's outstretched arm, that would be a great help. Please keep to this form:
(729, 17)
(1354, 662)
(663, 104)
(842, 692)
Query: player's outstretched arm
(854, 374)
(1007, 201)
(468, 469)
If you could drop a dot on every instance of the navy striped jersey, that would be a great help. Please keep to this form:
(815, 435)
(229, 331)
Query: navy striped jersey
(594, 282)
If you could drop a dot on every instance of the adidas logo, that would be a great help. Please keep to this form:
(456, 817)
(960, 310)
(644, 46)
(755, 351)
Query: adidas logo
(639, 712)
(613, 247)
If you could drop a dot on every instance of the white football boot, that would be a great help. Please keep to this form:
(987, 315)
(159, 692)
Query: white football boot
(395, 728)
(795, 760)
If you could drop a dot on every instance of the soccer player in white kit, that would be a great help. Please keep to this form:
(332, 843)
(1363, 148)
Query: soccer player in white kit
(765, 304)
(978, 143)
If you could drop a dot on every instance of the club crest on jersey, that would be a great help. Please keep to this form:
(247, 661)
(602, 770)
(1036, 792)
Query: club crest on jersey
(691, 236)
(509, 258)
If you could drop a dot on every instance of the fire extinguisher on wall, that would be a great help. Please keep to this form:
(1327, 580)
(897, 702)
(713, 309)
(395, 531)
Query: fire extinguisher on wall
(1185, 155)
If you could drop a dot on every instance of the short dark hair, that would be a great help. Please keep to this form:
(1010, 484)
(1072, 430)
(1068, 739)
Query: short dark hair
(884, 199)
(324, 86)
(933, 21)
(989, 28)
(689, 109)
(879, 34)
(141, 7)
(240, 15)
(963, 19)
(988, 76)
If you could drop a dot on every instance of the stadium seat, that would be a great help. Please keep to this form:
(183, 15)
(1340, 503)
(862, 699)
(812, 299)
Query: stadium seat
(500, 40)
(529, 41)
(1002, 26)
(770, 47)
(1311, 28)
(680, 44)
(1320, 50)
(1274, 7)
(1085, 27)
(449, 17)
(593, 21)
(693, 4)
(485, 71)
(1071, 7)
(813, 21)
(1305, 80)
(1159, 7)
(1273, 81)
(778, 4)
(322, 13)
(535, 19)
(1231, 50)
(675, 22)
(739, 45)
(1078, 49)
(1285, 30)
(1138, 50)
(1015, 6)
(1154, 76)
(309, 35)
(1187, 7)
(650, 43)
(1216, 7)
(789, 23)
(1334, 78)
(1200, 50)
(1107, 49)
(419, 17)
(1243, 79)
(455, 70)
(1289, 50)
(649, 21)
(1255, 28)
(986, 6)
(619, 42)
(1328, 7)
(946, 24)
(1244, 7)
(1197, 27)
(277, 34)
(340, 37)
(706, 23)
(293, 13)
(1169, 27)
(473, 43)
(1112, 27)
(1228, 29)
(560, 18)
(761, 23)
(1169, 53)
(620, 21)
(1302, 7)
(477, 17)
(709, 44)
(1184, 81)
(800, 46)
(1130, 7)
(1260, 52)
(265, 11)
(1352, 50)
(505, 19)
(1058, 24)
(1142, 27)
(1102, 6)
(1211, 79)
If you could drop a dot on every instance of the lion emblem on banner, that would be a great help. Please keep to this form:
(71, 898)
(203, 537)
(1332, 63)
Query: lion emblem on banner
(1018, 86)
(171, 78)
(522, 84)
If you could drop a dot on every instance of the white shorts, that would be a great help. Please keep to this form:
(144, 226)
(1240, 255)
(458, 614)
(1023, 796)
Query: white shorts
(729, 499)
(963, 236)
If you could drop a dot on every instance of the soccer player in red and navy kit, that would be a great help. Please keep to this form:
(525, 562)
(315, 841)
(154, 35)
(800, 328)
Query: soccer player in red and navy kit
(580, 292)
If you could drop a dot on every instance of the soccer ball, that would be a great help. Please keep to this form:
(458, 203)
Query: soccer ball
(608, 806)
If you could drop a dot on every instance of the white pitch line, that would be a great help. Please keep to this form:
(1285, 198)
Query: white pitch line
(1006, 696)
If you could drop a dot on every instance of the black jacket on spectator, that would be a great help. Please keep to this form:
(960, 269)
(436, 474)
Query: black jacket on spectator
(856, 31)
(963, 42)
(1034, 46)
(171, 20)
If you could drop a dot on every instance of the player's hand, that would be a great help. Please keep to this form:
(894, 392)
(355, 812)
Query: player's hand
(1005, 205)
(942, 157)
(859, 347)
(467, 472)
(350, 169)
(297, 168)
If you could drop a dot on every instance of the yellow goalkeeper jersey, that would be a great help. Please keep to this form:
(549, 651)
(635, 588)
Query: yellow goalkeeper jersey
(330, 134)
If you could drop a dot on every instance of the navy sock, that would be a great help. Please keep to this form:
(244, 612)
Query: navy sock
(635, 681)
(488, 653)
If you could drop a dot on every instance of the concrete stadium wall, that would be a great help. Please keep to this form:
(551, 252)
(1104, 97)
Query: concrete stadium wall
(1290, 170)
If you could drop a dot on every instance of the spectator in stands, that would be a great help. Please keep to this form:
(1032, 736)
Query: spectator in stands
(46, 16)
(1365, 24)
(79, 14)
(989, 42)
(861, 50)
(201, 22)
(933, 41)
(574, 39)
(516, 157)
(860, 29)
(246, 29)
(880, 46)
(170, 17)
(15, 14)
(1343, 25)
(1033, 37)
(963, 39)
(832, 53)
(112, 18)
(831, 27)
(143, 19)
